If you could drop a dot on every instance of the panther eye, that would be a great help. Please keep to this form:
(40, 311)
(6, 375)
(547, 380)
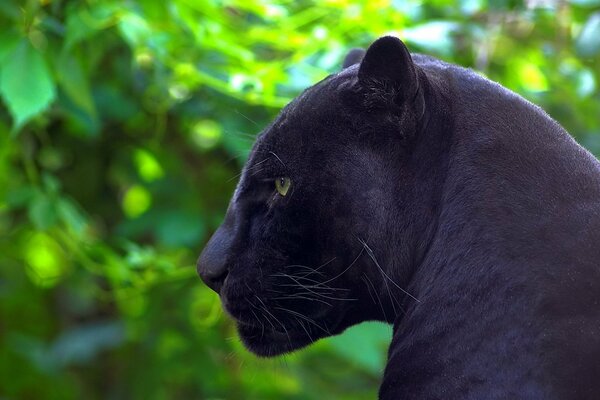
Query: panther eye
(282, 184)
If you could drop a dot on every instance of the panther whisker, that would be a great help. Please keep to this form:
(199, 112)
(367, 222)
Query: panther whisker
(264, 315)
(240, 134)
(308, 289)
(270, 152)
(390, 295)
(387, 288)
(325, 263)
(283, 326)
(274, 317)
(310, 271)
(317, 285)
(236, 156)
(304, 317)
(324, 293)
(257, 164)
(242, 138)
(248, 169)
(247, 118)
(257, 171)
(303, 327)
(393, 299)
(372, 255)
(345, 270)
(362, 278)
(235, 176)
(262, 326)
(336, 298)
(368, 280)
(294, 277)
(231, 355)
(307, 274)
(324, 296)
(300, 296)
(314, 287)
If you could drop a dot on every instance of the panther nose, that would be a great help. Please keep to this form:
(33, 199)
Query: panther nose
(212, 263)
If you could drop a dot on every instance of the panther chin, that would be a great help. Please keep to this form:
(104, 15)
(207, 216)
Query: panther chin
(267, 341)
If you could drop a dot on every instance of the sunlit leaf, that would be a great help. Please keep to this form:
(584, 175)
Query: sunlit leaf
(134, 29)
(531, 77)
(26, 85)
(45, 260)
(148, 166)
(206, 134)
(137, 200)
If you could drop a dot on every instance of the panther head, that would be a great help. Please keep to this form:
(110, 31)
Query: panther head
(335, 206)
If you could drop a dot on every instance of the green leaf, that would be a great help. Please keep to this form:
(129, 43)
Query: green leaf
(588, 41)
(42, 212)
(585, 3)
(21, 196)
(85, 22)
(51, 184)
(8, 40)
(134, 29)
(9, 10)
(26, 85)
(80, 26)
(136, 201)
(45, 260)
(180, 228)
(73, 80)
(433, 36)
(531, 76)
(371, 338)
(71, 216)
(82, 344)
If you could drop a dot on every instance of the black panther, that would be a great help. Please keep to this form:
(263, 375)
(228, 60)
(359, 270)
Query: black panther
(412, 191)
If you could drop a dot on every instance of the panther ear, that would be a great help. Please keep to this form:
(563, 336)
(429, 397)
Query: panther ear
(354, 56)
(387, 65)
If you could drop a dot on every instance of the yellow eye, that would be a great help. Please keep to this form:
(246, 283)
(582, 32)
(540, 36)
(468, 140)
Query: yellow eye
(282, 185)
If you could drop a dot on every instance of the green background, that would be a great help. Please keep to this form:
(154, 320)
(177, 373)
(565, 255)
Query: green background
(123, 126)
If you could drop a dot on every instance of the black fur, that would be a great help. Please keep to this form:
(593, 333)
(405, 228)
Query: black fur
(429, 197)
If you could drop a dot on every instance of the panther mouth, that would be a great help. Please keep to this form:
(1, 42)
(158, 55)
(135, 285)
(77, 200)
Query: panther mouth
(269, 329)
(269, 339)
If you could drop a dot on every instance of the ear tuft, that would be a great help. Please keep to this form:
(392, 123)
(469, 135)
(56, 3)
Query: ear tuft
(388, 63)
(354, 56)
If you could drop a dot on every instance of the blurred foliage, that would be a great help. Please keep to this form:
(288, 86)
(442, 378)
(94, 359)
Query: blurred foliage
(123, 125)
